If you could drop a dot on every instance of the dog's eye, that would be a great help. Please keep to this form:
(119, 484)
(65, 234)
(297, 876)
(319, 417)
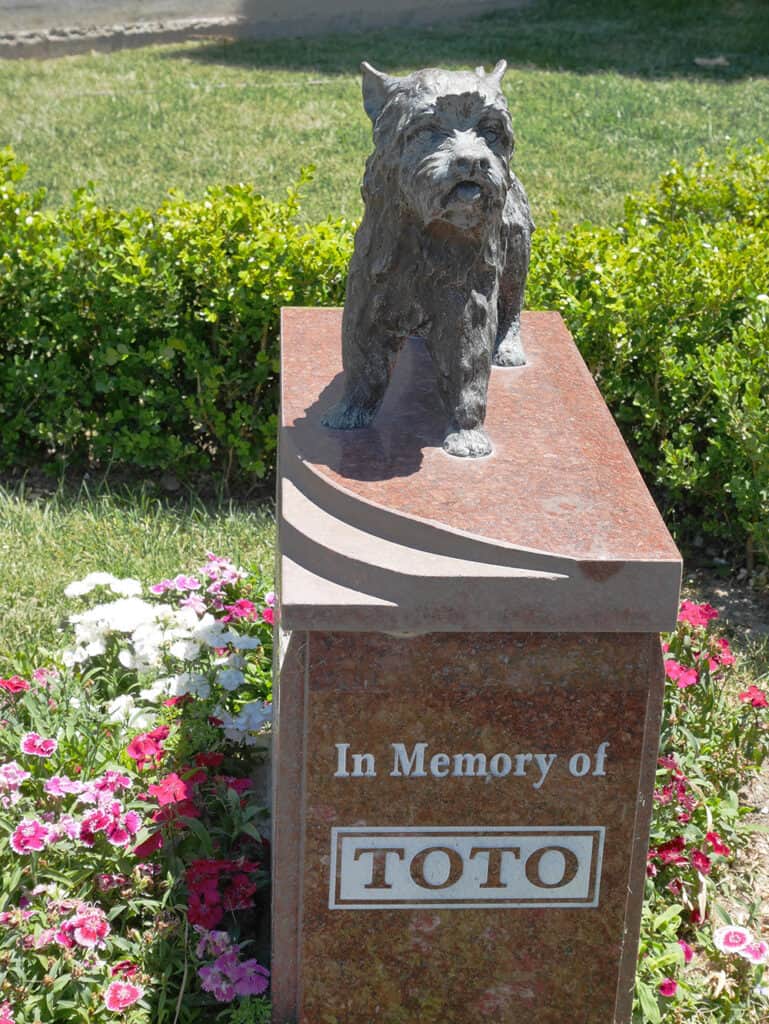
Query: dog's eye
(490, 134)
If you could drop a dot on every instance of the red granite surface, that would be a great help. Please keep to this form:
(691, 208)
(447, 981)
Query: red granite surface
(464, 692)
(560, 479)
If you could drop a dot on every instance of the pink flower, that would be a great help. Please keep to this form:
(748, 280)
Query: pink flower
(12, 775)
(186, 583)
(682, 676)
(194, 601)
(270, 598)
(701, 862)
(162, 587)
(30, 835)
(687, 951)
(60, 785)
(730, 938)
(718, 845)
(242, 609)
(696, 614)
(757, 951)
(6, 1013)
(34, 744)
(668, 988)
(122, 994)
(268, 615)
(756, 697)
(14, 685)
(89, 928)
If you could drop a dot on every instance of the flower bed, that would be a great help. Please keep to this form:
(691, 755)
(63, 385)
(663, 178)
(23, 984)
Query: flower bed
(134, 848)
(134, 844)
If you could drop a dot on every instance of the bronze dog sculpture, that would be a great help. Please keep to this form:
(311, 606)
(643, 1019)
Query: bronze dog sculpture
(443, 249)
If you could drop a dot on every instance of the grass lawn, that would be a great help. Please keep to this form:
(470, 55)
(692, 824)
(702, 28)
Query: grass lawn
(603, 96)
(46, 543)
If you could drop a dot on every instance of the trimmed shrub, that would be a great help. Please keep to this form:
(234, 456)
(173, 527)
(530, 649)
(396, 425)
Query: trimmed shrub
(671, 311)
(150, 339)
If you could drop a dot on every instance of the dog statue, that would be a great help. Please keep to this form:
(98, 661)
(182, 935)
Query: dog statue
(443, 249)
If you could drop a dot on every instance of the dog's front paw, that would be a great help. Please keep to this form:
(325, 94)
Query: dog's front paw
(467, 444)
(346, 416)
(509, 351)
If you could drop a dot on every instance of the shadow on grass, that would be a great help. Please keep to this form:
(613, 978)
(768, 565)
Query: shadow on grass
(712, 40)
(205, 494)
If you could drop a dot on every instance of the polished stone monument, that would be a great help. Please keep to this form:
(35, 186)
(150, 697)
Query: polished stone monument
(468, 700)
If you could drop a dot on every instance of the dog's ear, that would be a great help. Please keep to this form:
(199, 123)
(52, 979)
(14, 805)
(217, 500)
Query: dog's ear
(498, 73)
(377, 88)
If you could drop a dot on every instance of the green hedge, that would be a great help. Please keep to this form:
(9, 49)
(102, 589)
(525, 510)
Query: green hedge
(671, 312)
(149, 339)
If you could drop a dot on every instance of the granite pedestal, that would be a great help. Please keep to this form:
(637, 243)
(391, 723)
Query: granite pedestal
(470, 685)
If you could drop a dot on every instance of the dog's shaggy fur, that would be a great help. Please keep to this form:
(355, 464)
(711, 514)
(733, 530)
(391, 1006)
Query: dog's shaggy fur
(443, 248)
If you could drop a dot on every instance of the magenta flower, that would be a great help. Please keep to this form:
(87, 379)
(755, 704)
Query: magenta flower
(34, 744)
(6, 1013)
(687, 951)
(701, 862)
(696, 614)
(14, 685)
(668, 988)
(250, 978)
(755, 696)
(30, 836)
(681, 675)
(122, 994)
(730, 938)
(217, 984)
(719, 846)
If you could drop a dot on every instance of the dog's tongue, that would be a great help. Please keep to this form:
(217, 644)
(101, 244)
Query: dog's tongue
(467, 191)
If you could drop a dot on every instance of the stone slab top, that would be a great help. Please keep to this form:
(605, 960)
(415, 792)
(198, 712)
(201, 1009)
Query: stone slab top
(559, 499)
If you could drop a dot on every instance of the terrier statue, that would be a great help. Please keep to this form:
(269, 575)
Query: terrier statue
(443, 249)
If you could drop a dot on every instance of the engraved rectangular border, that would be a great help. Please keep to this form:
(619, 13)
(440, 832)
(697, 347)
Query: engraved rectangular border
(335, 902)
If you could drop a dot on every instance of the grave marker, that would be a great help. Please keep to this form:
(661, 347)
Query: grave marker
(470, 685)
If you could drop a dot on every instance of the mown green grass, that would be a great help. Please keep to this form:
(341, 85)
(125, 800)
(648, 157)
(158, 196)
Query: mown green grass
(46, 542)
(603, 96)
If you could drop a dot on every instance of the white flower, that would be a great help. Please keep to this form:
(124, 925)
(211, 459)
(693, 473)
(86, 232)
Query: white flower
(126, 588)
(86, 585)
(123, 710)
(185, 650)
(158, 689)
(230, 678)
(190, 682)
(122, 616)
(245, 643)
(74, 656)
(95, 648)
